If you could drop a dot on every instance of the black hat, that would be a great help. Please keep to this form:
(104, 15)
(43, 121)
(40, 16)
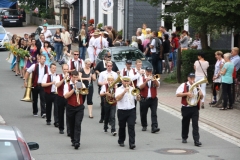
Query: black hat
(149, 69)
(191, 75)
(129, 61)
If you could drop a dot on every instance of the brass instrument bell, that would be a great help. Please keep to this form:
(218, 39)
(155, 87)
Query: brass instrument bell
(27, 94)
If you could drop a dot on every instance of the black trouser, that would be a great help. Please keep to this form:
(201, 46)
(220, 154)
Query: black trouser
(215, 85)
(102, 103)
(155, 58)
(62, 103)
(75, 117)
(89, 96)
(151, 103)
(51, 99)
(129, 117)
(69, 47)
(110, 111)
(227, 94)
(187, 114)
(35, 91)
(233, 91)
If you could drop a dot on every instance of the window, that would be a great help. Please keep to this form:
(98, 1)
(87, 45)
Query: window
(123, 55)
(2, 31)
(9, 149)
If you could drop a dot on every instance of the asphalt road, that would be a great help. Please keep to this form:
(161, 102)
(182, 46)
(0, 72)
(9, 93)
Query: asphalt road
(95, 144)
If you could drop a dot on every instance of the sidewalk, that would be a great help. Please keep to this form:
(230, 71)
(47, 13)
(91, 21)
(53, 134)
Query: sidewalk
(226, 121)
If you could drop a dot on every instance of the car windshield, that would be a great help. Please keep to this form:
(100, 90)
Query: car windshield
(9, 12)
(2, 30)
(122, 55)
(9, 149)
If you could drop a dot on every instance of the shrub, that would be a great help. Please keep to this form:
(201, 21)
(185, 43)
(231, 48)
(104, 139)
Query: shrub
(190, 56)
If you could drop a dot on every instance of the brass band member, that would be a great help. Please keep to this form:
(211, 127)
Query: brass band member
(128, 71)
(75, 63)
(38, 70)
(61, 80)
(48, 83)
(126, 112)
(148, 86)
(74, 109)
(88, 76)
(110, 109)
(189, 112)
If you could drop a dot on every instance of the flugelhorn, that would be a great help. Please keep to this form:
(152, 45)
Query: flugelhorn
(135, 91)
(156, 77)
(83, 90)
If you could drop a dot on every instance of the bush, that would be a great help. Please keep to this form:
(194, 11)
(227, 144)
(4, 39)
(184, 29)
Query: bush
(190, 56)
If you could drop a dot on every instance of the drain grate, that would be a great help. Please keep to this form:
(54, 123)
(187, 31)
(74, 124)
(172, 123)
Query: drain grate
(176, 151)
(213, 156)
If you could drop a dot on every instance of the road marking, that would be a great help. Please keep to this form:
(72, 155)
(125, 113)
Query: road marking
(203, 126)
(2, 122)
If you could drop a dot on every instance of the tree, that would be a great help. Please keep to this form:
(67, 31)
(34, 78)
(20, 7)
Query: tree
(205, 16)
(32, 4)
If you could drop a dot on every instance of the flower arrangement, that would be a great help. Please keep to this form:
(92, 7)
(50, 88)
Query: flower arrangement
(7, 46)
(53, 53)
(100, 25)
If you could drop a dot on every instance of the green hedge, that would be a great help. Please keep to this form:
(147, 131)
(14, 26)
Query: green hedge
(190, 56)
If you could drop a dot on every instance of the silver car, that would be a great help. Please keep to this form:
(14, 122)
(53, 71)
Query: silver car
(13, 145)
(122, 53)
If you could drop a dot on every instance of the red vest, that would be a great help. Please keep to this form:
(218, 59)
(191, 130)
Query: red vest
(35, 74)
(135, 81)
(72, 100)
(106, 85)
(48, 88)
(72, 66)
(124, 72)
(60, 88)
(144, 91)
(184, 99)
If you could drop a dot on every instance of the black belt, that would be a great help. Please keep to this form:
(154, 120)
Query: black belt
(39, 84)
(125, 109)
(148, 98)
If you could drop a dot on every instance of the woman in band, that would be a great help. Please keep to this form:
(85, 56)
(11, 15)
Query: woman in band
(33, 54)
(110, 109)
(217, 76)
(87, 76)
(46, 52)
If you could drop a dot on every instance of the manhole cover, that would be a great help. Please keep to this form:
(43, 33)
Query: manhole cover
(176, 151)
(213, 156)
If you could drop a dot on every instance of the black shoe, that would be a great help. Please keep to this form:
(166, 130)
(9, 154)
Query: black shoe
(43, 115)
(154, 130)
(213, 102)
(76, 146)
(101, 121)
(144, 128)
(61, 132)
(56, 124)
(48, 123)
(121, 144)
(132, 146)
(105, 130)
(73, 144)
(184, 141)
(114, 133)
(197, 143)
(68, 134)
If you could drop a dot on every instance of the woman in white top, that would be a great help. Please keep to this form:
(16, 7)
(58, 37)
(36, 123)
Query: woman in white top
(217, 76)
(90, 49)
(134, 42)
(201, 67)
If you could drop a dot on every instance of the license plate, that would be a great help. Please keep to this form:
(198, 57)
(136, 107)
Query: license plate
(12, 21)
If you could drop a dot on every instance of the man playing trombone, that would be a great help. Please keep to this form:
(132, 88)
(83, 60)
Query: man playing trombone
(148, 86)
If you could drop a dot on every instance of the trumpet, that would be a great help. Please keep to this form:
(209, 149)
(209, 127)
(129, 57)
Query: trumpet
(83, 90)
(135, 91)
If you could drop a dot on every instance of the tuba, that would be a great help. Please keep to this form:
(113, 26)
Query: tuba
(195, 98)
(27, 94)
(111, 99)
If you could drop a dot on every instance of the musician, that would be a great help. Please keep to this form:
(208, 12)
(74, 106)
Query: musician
(189, 112)
(101, 66)
(110, 109)
(100, 43)
(88, 76)
(126, 112)
(128, 71)
(102, 80)
(48, 83)
(76, 63)
(38, 71)
(61, 80)
(74, 109)
(148, 91)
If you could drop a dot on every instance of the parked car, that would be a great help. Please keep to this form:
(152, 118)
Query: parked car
(5, 37)
(52, 28)
(11, 17)
(121, 53)
(13, 145)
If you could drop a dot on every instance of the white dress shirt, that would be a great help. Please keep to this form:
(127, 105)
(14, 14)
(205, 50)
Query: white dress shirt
(77, 64)
(53, 78)
(127, 102)
(130, 73)
(66, 89)
(40, 71)
(46, 34)
(140, 82)
(58, 78)
(103, 76)
(180, 89)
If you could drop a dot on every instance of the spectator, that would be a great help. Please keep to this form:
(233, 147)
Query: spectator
(174, 44)
(235, 59)
(227, 81)
(119, 41)
(66, 39)
(163, 30)
(166, 50)
(197, 43)
(45, 23)
(146, 41)
(184, 40)
(140, 46)
(47, 33)
(144, 27)
(134, 42)
(140, 36)
(58, 45)
(106, 36)
(83, 44)
(127, 42)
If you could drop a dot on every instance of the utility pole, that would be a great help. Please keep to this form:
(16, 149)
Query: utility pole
(60, 12)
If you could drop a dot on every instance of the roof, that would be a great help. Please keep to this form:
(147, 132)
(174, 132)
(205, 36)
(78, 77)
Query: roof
(52, 26)
(7, 133)
(7, 3)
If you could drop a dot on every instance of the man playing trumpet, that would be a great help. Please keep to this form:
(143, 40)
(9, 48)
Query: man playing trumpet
(109, 104)
(148, 86)
(189, 112)
(74, 109)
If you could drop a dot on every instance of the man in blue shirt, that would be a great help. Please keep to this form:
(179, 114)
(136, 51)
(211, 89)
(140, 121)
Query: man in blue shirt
(235, 59)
